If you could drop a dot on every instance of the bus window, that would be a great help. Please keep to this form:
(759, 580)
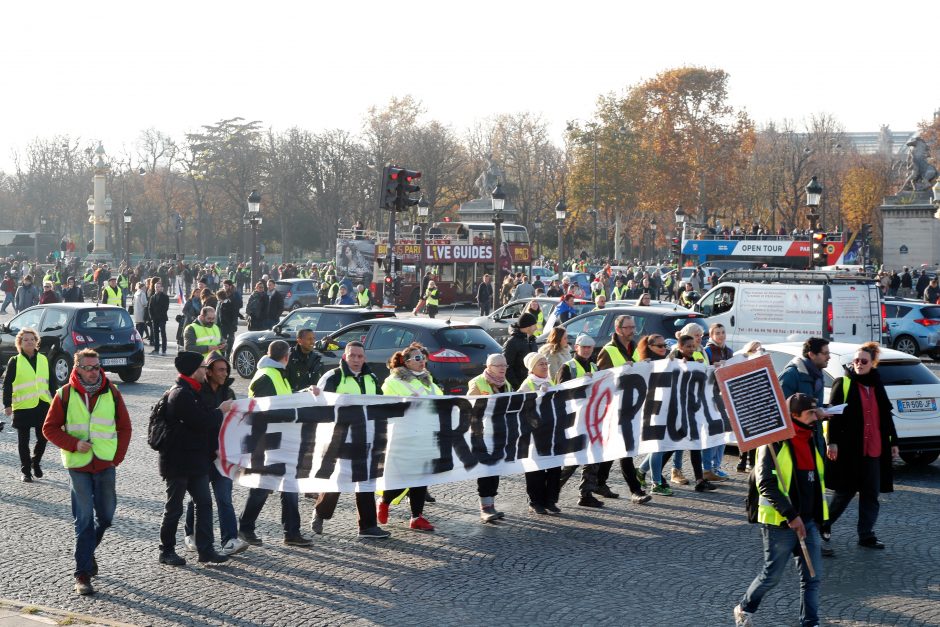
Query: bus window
(447, 272)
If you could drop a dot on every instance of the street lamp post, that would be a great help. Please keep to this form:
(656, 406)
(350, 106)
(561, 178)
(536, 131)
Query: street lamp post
(128, 218)
(499, 203)
(561, 212)
(680, 228)
(424, 209)
(243, 236)
(652, 251)
(813, 195)
(538, 235)
(179, 237)
(593, 210)
(42, 224)
(254, 213)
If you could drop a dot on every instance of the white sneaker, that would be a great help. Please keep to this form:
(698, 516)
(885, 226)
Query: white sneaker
(742, 618)
(190, 542)
(234, 546)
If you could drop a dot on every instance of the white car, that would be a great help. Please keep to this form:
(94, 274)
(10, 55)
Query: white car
(913, 389)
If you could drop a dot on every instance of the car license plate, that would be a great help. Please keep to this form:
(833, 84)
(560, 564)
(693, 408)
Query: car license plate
(114, 361)
(917, 404)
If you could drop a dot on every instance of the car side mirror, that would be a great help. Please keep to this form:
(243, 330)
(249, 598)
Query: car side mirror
(277, 329)
(320, 345)
(4, 328)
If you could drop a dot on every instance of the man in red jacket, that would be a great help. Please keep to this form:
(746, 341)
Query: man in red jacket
(89, 422)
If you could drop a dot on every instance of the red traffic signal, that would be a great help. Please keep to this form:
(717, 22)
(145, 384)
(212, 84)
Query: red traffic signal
(388, 280)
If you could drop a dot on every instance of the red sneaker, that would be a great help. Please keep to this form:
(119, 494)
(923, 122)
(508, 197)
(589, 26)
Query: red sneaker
(421, 524)
(381, 512)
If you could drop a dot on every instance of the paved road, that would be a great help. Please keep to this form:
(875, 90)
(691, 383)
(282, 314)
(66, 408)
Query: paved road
(679, 561)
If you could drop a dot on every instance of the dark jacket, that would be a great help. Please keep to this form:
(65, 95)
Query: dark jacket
(517, 346)
(717, 353)
(158, 306)
(227, 316)
(25, 418)
(212, 399)
(302, 368)
(73, 295)
(188, 451)
(275, 306)
(796, 377)
(846, 431)
(485, 294)
(255, 310)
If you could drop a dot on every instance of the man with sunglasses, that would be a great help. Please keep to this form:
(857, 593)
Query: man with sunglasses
(89, 422)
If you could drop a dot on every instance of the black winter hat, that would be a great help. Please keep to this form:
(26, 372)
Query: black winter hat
(187, 362)
(526, 320)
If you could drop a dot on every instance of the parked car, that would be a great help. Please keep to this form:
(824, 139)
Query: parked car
(250, 346)
(913, 326)
(913, 389)
(497, 323)
(65, 328)
(543, 273)
(599, 324)
(298, 293)
(457, 352)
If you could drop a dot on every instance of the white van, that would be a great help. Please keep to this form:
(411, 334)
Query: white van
(786, 305)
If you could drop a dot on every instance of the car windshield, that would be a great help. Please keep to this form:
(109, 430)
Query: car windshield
(103, 319)
(906, 373)
(452, 337)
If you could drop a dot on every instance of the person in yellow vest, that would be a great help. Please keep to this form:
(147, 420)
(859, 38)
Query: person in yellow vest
(203, 335)
(432, 297)
(89, 422)
(409, 376)
(271, 380)
(363, 297)
(111, 294)
(788, 500)
(124, 284)
(600, 302)
(27, 392)
(620, 290)
(541, 486)
(533, 307)
(353, 376)
(491, 381)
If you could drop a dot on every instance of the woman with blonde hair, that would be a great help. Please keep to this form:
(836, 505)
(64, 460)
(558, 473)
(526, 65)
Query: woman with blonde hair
(409, 376)
(27, 394)
(556, 351)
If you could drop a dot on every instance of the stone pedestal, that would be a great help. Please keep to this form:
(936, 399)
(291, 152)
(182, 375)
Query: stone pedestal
(481, 210)
(911, 227)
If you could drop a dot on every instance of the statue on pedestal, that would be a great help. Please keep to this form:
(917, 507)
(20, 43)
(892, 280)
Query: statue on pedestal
(920, 173)
(488, 179)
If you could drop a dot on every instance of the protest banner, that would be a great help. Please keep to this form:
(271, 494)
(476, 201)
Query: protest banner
(344, 443)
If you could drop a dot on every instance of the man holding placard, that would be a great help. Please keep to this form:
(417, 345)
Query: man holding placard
(786, 497)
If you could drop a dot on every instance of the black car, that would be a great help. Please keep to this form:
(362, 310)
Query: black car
(457, 352)
(297, 293)
(65, 328)
(250, 346)
(599, 324)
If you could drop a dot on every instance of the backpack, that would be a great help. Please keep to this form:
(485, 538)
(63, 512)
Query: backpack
(158, 428)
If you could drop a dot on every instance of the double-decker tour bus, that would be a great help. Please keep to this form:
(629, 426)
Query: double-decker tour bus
(457, 254)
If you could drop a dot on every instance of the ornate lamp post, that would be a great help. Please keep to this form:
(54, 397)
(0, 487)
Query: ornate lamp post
(499, 203)
(538, 234)
(680, 229)
(243, 235)
(128, 218)
(254, 214)
(561, 212)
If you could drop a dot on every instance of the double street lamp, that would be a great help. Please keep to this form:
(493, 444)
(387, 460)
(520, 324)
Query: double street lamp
(424, 209)
(254, 216)
(128, 218)
(499, 203)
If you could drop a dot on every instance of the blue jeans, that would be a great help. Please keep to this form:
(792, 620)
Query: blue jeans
(94, 500)
(780, 544)
(712, 457)
(654, 463)
(290, 510)
(222, 489)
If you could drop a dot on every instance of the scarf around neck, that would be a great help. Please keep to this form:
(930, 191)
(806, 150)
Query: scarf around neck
(406, 375)
(496, 382)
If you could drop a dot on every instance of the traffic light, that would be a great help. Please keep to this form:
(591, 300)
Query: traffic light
(866, 234)
(819, 251)
(391, 181)
(676, 248)
(409, 179)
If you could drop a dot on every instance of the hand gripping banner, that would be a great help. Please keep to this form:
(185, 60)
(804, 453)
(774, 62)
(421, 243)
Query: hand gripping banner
(347, 443)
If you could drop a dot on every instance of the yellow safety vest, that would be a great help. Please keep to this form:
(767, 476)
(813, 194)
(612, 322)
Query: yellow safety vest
(122, 282)
(616, 358)
(619, 293)
(528, 383)
(539, 321)
(577, 370)
(766, 513)
(30, 386)
(394, 386)
(112, 297)
(206, 336)
(482, 384)
(431, 296)
(281, 386)
(363, 298)
(99, 427)
(348, 385)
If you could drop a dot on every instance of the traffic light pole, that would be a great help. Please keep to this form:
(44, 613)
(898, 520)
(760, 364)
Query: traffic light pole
(389, 296)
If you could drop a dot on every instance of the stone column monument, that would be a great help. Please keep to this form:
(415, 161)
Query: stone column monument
(100, 217)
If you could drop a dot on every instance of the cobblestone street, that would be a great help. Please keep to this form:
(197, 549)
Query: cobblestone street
(684, 560)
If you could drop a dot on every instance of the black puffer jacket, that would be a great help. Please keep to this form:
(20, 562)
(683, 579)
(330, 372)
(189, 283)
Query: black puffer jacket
(188, 451)
(515, 349)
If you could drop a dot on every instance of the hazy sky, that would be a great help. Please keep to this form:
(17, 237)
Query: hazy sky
(106, 70)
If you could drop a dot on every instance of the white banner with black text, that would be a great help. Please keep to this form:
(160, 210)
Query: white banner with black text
(347, 443)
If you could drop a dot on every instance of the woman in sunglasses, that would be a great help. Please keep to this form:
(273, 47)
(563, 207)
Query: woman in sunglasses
(861, 445)
(27, 393)
(409, 376)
